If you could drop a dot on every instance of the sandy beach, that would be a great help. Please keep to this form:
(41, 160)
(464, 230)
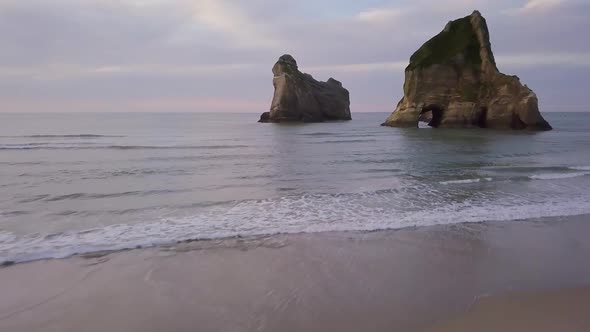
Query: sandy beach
(544, 311)
(294, 166)
(441, 278)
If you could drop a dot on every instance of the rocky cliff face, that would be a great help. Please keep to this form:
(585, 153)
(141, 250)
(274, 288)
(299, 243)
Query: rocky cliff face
(299, 97)
(454, 76)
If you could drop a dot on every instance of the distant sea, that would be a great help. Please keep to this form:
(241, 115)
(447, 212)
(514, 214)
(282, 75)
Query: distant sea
(75, 183)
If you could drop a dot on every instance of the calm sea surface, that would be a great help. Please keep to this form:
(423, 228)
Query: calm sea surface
(72, 183)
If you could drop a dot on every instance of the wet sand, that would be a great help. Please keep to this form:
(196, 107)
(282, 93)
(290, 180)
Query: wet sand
(405, 280)
(545, 311)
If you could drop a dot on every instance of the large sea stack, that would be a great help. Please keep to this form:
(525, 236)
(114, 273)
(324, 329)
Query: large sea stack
(454, 76)
(299, 97)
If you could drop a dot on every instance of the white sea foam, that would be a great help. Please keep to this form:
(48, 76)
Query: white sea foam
(466, 181)
(307, 213)
(580, 168)
(556, 176)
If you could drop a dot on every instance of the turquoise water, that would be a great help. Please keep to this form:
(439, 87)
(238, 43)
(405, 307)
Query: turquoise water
(72, 183)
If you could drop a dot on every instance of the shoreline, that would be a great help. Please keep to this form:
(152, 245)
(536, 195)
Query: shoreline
(221, 241)
(406, 279)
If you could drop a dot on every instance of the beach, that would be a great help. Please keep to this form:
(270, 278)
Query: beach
(287, 166)
(556, 310)
(412, 279)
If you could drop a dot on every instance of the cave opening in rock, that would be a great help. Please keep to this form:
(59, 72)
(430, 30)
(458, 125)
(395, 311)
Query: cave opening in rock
(435, 113)
(482, 118)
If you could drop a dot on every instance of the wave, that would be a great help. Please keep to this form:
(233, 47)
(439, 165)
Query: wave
(520, 173)
(466, 181)
(525, 168)
(345, 141)
(175, 147)
(109, 195)
(337, 134)
(141, 210)
(34, 198)
(376, 161)
(382, 170)
(557, 176)
(366, 211)
(23, 163)
(255, 177)
(320, 134)
(13, 213)
(540, 176)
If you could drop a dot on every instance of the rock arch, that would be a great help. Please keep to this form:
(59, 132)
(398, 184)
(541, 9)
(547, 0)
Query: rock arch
(436, 114)
(456, 70)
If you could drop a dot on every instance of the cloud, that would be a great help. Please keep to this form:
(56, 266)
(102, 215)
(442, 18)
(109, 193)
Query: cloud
(379, 15)
(65, 71)
(118, 53)
(229, 19)
(358, 67)
(537, 6)
(70, 71)
(563, 59)
(195, 104)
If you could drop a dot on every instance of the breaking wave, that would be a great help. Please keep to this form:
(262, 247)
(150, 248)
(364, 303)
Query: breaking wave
(368, 211)
(556, 176)
(466, 181)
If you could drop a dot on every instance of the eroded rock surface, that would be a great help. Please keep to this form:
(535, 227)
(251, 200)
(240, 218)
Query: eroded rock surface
(454, 76)
(299, 97)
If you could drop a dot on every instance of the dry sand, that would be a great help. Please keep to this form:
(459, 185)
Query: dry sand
(407, 280)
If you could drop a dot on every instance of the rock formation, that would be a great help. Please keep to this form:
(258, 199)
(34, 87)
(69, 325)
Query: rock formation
(299, 97)
(454, 76)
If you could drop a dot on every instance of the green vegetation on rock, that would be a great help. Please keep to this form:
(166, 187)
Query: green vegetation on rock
(454, 76)
(470, 92)
(457, 38)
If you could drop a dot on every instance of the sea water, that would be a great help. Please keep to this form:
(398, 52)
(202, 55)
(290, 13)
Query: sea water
(75, 183)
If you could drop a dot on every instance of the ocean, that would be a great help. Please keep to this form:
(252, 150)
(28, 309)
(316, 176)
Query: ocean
(78, 183)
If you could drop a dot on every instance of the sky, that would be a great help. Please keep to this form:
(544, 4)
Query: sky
(217, 55)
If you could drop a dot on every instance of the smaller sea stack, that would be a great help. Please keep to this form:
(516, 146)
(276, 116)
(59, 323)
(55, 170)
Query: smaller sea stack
(298, 97)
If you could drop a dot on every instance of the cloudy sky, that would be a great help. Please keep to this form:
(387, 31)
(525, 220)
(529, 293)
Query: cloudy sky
(216, 55)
